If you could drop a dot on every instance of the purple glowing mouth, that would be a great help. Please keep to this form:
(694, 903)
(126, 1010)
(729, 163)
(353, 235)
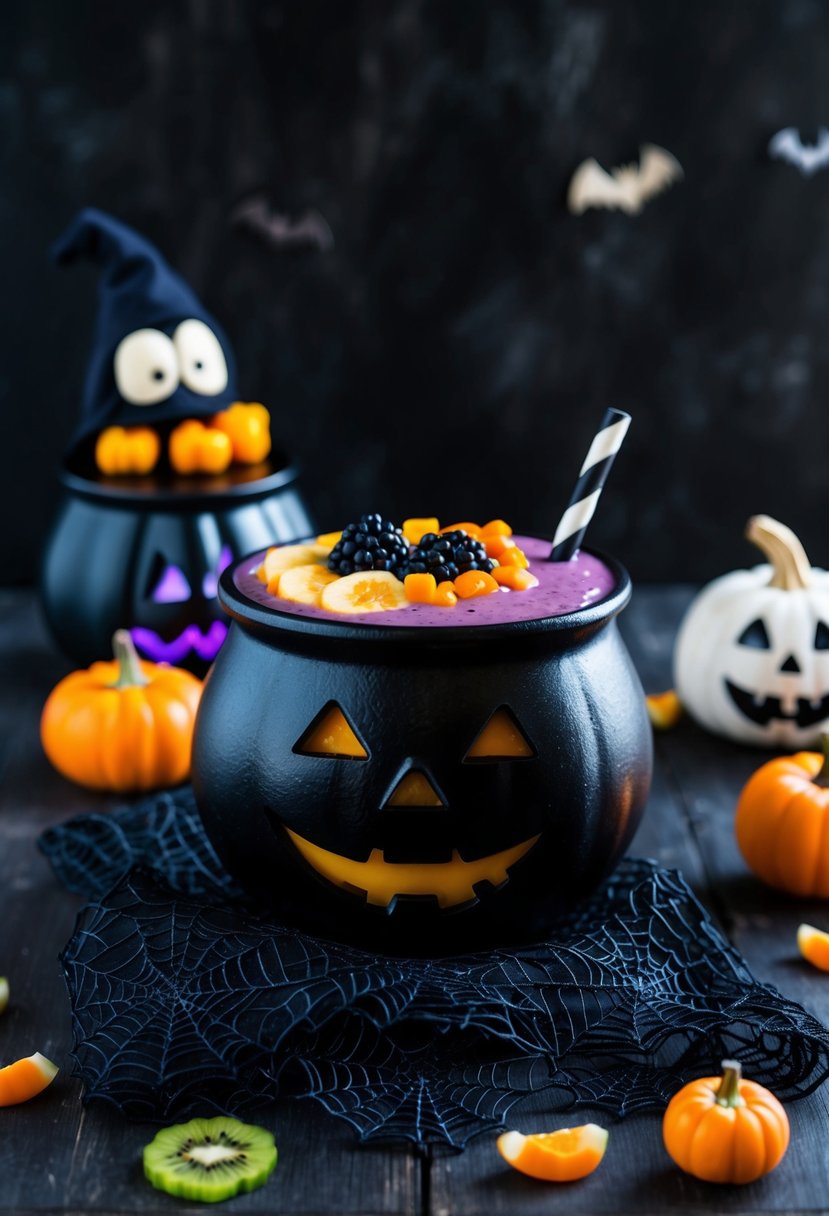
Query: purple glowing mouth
(190, 641)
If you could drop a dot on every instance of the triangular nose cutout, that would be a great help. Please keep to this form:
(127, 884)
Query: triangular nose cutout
(415, 789)
(501, 739)
(791, 664)
(331, 734)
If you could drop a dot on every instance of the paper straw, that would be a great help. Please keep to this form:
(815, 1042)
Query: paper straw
(573, 524)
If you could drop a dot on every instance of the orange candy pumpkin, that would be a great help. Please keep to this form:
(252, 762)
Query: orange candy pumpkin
(725, 1129)
(196, 448)
(248, 427)
(134, 449)
(782, 824)
(122, 725)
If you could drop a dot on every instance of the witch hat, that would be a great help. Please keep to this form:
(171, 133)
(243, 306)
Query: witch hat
(157, 353)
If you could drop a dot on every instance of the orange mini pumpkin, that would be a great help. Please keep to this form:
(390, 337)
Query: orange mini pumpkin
(782, 823)
(122, 725)
(725, 1129)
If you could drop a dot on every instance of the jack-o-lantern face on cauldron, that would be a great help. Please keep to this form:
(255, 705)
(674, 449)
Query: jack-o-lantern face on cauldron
(421, 797)
(145, 554)
(752, 655)
(410, 810)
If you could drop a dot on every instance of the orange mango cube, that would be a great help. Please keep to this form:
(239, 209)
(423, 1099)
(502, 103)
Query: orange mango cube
(420, 588)
(415, 529)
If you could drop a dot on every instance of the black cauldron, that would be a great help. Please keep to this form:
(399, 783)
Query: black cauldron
(146, 553)
(421, 790)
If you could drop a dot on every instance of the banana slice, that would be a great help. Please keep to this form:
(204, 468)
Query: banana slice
(305, 584)
(369, 591)
(283, 557)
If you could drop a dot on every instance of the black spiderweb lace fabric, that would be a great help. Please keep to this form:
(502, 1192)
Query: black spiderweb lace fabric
(185, 1002)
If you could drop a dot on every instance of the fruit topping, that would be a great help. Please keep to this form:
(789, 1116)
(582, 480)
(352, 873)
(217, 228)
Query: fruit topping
(514, 577)
(469, 528)
(474, 582)
(304, 584)
(496, 544)
(365, 591)
(448, 554)
(285, 556)
(329, 539)
(496, 527)
(513, 556)
(209, 1159)
(420, 588)
(414, 529)
(373, 543)
(445, 596)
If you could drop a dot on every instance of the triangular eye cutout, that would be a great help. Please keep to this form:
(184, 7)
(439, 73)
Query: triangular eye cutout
(755, 635)
(821, 636)
(501, 739)
(331, 734)
(166, 584)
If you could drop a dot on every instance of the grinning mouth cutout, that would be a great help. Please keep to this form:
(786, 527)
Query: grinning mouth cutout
(808, 713)
(449, 882)
(190, 641)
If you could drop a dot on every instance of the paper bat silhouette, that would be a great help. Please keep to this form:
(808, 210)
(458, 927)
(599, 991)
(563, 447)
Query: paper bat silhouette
(808, 158)
(628, 187)
(279, 231)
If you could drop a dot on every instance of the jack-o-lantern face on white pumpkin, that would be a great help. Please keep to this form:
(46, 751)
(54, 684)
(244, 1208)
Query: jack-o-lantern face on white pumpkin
(752, 655)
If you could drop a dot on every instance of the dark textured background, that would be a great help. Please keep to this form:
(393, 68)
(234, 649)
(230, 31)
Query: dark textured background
(454, 351)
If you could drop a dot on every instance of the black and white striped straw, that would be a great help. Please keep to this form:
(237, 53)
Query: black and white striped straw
(594, 471)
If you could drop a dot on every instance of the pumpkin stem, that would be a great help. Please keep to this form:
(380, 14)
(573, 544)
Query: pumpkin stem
(129, 666)
(790, 565)
(728, 1093)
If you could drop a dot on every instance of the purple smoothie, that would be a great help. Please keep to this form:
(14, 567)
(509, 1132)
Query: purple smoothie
(562, 587)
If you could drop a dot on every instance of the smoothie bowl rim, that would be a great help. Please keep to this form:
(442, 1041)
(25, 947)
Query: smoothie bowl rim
(271, 624)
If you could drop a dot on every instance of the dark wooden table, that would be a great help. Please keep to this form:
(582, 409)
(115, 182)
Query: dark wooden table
(58, 1156)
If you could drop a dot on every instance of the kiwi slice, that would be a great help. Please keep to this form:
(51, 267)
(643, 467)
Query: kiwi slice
(210, 1159)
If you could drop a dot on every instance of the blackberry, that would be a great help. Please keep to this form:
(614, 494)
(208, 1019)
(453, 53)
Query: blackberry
(371, 544)
(448, 555)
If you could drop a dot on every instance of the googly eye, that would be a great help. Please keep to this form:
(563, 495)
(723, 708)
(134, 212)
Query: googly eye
(146, 367)
(200, 359)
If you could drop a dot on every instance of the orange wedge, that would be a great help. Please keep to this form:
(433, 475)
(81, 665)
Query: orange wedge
(25, 1078)
(4, 992)
(664, 709)
(813, 944)
(562, 1156)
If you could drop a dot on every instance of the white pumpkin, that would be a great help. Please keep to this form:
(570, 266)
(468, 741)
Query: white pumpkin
(751, 660)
